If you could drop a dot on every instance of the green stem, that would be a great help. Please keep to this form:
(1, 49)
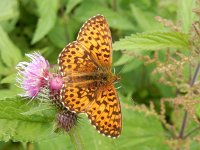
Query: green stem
(76, 139)
(114, 5)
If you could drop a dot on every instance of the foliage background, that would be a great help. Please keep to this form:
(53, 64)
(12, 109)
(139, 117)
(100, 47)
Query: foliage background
(48, 26)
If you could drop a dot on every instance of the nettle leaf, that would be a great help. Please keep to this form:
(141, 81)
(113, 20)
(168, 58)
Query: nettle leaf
(9, 52)
(17, 126)
(153, 41)
(139, 131)
(47, 12)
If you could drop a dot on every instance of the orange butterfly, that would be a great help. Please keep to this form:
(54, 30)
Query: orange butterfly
(85, 66)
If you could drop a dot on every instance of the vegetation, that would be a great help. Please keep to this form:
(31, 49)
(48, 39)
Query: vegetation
(155, 51)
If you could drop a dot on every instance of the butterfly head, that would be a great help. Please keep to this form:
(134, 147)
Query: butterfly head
(112, 78)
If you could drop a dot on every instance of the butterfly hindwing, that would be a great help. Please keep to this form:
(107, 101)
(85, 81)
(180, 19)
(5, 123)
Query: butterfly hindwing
(78, 96)
(105, 112)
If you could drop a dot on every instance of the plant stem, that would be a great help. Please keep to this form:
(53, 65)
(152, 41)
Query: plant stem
(76, 139)
(114, 5)
(184, 122)
(183, 125)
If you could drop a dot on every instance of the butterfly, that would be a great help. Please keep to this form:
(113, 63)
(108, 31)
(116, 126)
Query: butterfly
(85, 67)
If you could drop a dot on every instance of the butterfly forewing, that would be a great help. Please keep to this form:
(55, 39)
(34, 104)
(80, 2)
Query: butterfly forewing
(75, 60)
(95, 36)
(85, 66)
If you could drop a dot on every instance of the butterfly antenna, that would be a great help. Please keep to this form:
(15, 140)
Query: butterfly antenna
(118, 87)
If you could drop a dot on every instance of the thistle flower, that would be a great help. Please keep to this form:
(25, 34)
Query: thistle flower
(33, 75)
(55, 82)
(66, 120)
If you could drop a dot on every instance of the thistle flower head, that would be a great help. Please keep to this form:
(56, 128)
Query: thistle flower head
(66, 120)
(55, 82)
(33, 75)
(36, 80)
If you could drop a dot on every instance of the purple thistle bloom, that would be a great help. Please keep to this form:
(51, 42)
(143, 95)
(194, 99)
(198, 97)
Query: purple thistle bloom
(55, 82)
(33, 75)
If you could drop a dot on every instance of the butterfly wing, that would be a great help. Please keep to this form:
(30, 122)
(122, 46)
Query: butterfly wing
(75, 60)
(82, 92)
(95, 37)
(105, 112)
(78, 88)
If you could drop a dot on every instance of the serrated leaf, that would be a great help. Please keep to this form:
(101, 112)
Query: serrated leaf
(47, 13)
(37, 110)
(8, 9)
(10, 54)
(25, 131)
(153, 41)
(139, 131)
(18, 127)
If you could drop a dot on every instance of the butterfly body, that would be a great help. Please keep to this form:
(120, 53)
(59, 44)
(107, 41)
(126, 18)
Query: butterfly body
(85, 67)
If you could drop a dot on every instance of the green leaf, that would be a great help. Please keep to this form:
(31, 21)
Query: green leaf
(47, 13)
(10, 54)
(18, 127)
(139, 131)
(144, 19)
(115, 19)
(58, 35)
(194, 145)
(8, 9)
(185, 13)
(9, 79)
(153, 41)
(71, 5)
(59, 143)
(37, 110)
(96, 140)
(131, 65)
(10, 92)
(123, 60)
